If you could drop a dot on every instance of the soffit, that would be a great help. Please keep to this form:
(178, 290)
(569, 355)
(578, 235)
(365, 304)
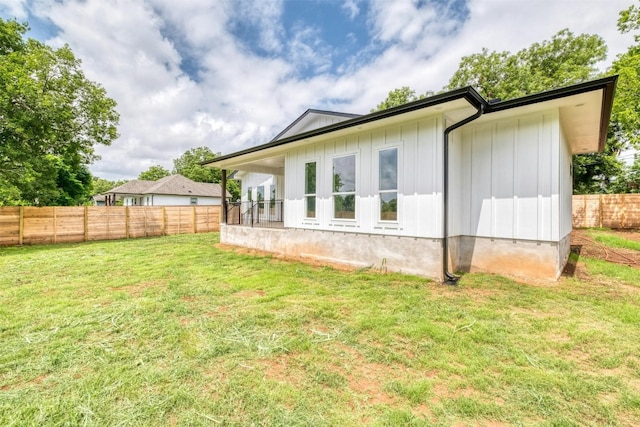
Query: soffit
(580, 118)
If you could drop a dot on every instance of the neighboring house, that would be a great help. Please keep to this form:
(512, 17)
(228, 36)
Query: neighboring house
(99, 199)
(487, 184)
(173, 190)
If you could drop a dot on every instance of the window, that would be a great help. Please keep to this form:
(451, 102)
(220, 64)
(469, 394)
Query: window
(344, 187)
(249, 194)
(260, 193)
(388, 184)
(310, 189)
(272, 196)
(194, 200)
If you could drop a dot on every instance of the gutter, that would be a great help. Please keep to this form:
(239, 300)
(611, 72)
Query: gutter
(448, 277)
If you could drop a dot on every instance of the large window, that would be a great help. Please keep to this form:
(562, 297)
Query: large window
(344, 187)
(388, 184)
(310, 189)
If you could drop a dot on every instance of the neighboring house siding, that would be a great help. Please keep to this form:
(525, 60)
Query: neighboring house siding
(169, 200)
(508, 179)
(419, 145)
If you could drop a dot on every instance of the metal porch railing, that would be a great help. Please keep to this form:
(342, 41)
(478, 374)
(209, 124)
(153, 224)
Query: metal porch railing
(266, 213)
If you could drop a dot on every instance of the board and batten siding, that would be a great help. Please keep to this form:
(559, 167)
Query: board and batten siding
(255, 180)
(506, 178)
(419, 144)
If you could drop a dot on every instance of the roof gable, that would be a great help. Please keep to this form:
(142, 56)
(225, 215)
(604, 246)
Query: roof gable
(313, 119)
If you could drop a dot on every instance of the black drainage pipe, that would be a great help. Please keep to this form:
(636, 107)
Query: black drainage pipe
(448, 277)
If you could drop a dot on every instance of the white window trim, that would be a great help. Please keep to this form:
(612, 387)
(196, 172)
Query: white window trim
(304, 189)
(335, 220)
(378, 149)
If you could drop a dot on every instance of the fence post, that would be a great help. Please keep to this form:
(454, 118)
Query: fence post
(600, 210)
(21, 226)
(624, 213)
(126, 221)
(163, 227)
(193, 219)
(55, 226)
(86, 223)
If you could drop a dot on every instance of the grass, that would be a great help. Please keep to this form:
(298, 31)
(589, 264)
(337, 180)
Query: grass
(604, 236)
(174, 331)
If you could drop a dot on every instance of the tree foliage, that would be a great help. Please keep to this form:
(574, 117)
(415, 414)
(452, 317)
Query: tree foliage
(190, 166)
(51, 118)
(101, 185)
(400, 96)
(154, 173)
(564, 60)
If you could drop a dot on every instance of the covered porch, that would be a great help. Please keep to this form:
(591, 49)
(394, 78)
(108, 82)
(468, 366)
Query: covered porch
(262, 202)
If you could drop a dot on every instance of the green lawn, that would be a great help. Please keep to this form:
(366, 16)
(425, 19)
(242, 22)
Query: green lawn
(174, 331)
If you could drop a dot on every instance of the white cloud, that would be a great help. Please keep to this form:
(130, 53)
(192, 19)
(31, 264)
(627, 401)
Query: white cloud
(138, 51)
(351, 7)
(14, 9)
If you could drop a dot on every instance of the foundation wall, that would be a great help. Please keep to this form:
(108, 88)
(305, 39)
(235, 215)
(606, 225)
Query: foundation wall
(420, 256)
(524, 258)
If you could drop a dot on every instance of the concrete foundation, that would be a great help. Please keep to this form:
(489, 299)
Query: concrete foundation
(524, 258)
(411, 255)
(392, 253)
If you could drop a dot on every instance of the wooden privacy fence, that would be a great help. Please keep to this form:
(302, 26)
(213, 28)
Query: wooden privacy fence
(30, 225)
(606, 210)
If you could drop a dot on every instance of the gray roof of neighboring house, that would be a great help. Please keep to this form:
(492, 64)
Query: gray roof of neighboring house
(176, 185)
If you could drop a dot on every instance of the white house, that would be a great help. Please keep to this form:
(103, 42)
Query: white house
(173, 190)
(487, 184)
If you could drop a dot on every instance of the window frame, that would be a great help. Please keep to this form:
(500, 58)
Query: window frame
(353, 193)
(314, 194)
(396, 190)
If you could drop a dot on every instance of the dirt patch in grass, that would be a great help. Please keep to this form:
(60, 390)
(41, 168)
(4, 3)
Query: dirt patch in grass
(250, 293)
(584, 245)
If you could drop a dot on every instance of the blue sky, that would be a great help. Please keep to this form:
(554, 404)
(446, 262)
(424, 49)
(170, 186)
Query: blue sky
(230, 74)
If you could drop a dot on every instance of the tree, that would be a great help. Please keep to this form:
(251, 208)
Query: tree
(51, 117)
(154, 173)
(190, 166)
(101, 186)
(626, 106)
(400, 96)
(564, 60)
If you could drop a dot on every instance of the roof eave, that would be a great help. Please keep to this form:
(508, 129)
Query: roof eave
(468, 93)
(606, 84)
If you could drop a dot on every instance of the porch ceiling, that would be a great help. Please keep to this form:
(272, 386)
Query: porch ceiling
(271, 165)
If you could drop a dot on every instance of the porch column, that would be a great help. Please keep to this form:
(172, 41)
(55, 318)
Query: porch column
(223, 218)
